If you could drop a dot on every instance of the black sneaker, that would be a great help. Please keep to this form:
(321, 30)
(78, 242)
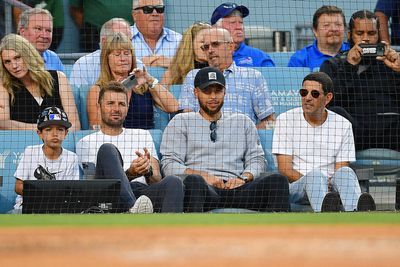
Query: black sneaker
(366, 203)
(331, 202)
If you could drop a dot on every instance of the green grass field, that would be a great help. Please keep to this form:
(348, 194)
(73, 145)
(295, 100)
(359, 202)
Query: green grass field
(373, 218)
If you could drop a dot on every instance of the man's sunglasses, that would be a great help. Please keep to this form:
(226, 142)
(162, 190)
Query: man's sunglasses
(314, 93)
(213, 129)
(149, 9)
(215, 44)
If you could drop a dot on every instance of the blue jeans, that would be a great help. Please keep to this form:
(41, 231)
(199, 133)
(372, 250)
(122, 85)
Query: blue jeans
(315, 185)
(166, 195)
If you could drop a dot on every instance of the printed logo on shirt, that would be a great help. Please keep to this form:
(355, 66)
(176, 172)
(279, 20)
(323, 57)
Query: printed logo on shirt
(248, 61)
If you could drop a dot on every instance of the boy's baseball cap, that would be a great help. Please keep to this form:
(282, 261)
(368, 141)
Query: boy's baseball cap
(208, 76)
(226, 9)
(53, 116)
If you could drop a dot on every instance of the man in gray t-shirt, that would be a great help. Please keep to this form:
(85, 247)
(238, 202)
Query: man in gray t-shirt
(220, 154)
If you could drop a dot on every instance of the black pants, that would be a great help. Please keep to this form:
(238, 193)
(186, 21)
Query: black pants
(266, 193)
(166, 195)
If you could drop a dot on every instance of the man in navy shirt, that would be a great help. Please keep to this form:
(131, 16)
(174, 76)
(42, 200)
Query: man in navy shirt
(230, 17)
(328, 27)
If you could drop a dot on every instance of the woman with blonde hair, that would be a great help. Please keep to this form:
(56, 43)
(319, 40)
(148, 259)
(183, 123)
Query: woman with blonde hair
(118, 61)
(188, 55)
(26, 88)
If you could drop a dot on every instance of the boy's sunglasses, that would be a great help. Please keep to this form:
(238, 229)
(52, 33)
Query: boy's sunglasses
(149, 9)
(314, 93)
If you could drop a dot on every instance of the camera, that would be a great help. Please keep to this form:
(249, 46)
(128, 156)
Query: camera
(129, 82)
(372, 50)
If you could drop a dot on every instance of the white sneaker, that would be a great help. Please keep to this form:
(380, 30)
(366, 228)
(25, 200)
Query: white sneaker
(142, 205)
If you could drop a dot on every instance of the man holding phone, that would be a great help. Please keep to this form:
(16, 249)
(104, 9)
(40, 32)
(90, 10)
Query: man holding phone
(366, 85)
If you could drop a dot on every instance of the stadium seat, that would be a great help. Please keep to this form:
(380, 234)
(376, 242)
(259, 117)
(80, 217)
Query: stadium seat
(161, 119)
(12, 146)
(281, 59)
(385, 164)
(284, 84)
(176, 90)
(266, 137)
(156, 72)
(83, 91)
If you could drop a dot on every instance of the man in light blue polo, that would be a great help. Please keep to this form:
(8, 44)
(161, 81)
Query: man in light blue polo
(246, 89)
(154, 45)
(36, 25)
(328, 27)
(230, 17)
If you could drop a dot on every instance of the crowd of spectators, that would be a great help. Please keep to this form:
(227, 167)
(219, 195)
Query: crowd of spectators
(213, 146)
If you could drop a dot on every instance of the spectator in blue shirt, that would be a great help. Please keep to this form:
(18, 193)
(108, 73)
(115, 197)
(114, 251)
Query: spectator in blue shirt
(36, 25)
(230, 17)
(328, 26)
(384, 10)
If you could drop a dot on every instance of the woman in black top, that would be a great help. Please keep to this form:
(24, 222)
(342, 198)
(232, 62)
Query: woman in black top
(27, 88)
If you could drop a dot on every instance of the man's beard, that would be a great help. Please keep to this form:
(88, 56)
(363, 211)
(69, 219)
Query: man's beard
(112, 123)
(211, 112)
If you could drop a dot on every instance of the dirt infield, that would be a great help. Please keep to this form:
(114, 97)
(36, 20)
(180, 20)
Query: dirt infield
(202, 246)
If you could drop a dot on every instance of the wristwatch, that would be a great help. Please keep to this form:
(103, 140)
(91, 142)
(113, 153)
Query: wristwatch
(153, 83)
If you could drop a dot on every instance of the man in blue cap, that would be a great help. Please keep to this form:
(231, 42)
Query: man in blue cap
(230, 17)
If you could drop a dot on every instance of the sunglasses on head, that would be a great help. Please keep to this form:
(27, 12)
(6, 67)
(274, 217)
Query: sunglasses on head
(314, 93)
(149, 9)
(213, 129)
(215, 44)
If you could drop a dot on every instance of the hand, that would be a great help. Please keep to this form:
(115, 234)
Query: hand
(214, 181)
(391, 58)
(141, 165)
(355, 54)
(234, 183)
(156, 61)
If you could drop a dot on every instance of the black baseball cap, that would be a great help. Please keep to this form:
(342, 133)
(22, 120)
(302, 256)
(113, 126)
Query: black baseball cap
(208, 76)
(53, 116)
(226, 9)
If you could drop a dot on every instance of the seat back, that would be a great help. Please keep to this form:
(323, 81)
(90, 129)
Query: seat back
(83, 91)
(12, 146)
(284, 84)
(266, 137)
(281, 59)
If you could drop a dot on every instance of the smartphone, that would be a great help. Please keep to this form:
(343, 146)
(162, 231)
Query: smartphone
(372, 50)
(129, 82)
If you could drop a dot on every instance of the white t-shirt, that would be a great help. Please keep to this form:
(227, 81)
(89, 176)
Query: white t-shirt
(66, 167)
(314, 147)
(128, 142)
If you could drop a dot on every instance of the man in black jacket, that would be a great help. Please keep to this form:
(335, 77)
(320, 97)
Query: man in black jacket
(366, 86)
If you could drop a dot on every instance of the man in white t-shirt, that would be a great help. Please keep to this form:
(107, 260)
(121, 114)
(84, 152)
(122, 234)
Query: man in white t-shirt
(314, 147)
(49, 160)
(128, 154)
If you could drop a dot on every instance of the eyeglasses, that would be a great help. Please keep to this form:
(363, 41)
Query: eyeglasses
(213, 129)
(215, 44)
(149, 9)
(314, 93)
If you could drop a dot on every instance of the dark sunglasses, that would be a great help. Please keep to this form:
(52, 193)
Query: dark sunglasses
(215, 44)
(213, 129)
(149, 9)
(314, 93)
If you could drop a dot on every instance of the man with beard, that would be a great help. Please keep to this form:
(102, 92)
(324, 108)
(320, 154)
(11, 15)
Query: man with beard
(220, 155)
(129, 155)
(328, 27)
(246, 90)
(368, 87)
